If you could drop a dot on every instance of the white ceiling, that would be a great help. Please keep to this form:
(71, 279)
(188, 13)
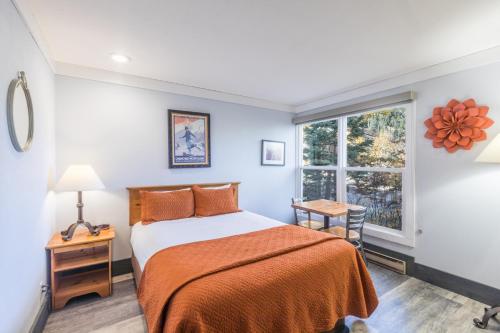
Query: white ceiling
(284, 51)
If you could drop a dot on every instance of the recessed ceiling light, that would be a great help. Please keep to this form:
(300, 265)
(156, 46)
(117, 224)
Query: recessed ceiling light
(120, 58)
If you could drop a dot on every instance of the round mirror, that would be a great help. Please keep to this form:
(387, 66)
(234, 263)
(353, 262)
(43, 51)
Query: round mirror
(20, 114)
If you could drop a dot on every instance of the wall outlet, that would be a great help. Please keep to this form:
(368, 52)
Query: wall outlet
(44, 288)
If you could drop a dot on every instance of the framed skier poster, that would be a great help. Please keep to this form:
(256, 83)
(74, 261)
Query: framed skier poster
(189, 139)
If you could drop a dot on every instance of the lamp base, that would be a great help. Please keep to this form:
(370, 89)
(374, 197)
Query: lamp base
(68, 233)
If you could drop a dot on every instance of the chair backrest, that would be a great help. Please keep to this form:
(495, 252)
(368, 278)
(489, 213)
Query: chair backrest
(355, 220)
(294, 201)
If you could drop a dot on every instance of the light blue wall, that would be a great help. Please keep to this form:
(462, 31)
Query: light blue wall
(26, 205)
(122, 132)
(456, 199)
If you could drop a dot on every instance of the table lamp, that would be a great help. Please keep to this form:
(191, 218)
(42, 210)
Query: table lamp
(490, 154)
(78, 178)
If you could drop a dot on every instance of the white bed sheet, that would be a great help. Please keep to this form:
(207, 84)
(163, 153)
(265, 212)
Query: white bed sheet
(148, 239)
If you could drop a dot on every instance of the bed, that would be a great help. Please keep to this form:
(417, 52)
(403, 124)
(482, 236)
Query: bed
(244, 272)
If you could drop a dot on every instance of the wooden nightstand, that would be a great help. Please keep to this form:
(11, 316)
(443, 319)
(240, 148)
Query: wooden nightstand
(80, 266)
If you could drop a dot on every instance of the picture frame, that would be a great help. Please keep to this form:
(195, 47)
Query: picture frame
(273, 153)
(188, 139)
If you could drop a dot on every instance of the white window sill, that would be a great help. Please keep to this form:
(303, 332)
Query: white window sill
(394, 236)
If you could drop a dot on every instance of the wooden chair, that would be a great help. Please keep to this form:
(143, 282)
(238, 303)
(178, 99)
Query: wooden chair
(306, 223)
(353, 232)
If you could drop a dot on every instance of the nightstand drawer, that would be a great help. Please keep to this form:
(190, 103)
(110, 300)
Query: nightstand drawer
(79, 247)
(64, 261)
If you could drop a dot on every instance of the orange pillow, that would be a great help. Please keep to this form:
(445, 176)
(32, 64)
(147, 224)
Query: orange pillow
(214, 201)
(169, 205)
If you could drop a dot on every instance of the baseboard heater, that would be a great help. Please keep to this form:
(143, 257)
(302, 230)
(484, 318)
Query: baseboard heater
(386, 261)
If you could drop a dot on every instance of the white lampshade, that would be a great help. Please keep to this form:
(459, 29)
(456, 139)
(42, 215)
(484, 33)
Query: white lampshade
(491, 154)
(79, 178)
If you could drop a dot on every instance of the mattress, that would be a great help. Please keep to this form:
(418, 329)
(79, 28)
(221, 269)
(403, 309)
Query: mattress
(148, 239)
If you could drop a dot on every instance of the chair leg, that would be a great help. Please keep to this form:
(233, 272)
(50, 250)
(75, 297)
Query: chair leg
(362, 248)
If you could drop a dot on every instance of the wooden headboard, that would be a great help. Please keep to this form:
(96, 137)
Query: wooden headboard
(134, 194)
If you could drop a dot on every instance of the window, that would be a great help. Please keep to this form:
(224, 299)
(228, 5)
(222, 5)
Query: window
(363, 159)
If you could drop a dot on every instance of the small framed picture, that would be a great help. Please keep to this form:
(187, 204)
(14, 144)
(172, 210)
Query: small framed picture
(188, 139)
(273, 153)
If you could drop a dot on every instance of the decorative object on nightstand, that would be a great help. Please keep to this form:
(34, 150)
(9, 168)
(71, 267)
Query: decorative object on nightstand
(79, 178)
(80, 266)
(490, 154)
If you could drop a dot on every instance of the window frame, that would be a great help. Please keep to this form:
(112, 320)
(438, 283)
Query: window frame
(405, 236)
(300, 160)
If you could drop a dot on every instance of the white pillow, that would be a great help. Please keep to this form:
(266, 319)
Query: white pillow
(182, 189)
(217, 187)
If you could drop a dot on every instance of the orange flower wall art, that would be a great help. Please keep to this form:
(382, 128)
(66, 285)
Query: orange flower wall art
(458, 125)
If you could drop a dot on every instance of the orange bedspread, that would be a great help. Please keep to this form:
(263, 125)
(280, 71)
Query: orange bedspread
(283, 279)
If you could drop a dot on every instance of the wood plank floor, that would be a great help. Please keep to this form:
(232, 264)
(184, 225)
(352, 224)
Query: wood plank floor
(407, 305)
